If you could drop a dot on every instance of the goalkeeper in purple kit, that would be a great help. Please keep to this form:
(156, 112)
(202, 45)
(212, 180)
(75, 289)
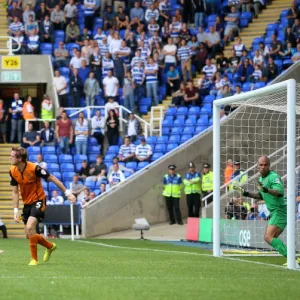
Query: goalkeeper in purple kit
(271, 190)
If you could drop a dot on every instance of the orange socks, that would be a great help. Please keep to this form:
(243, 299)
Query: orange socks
(38, 239)
(43, 242)
(33, 247)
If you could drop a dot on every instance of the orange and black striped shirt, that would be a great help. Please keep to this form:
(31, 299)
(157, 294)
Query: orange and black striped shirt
(29, 181)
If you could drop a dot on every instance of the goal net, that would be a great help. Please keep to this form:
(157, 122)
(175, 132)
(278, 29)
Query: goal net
(264, 122)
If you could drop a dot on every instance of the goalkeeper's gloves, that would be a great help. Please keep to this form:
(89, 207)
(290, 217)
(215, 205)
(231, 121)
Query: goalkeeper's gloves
(261, 188)
(241, 190)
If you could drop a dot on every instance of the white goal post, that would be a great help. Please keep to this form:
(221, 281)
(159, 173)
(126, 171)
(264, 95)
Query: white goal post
(289, 87)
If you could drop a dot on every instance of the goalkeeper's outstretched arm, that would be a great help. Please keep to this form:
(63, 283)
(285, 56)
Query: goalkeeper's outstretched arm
(242, 191)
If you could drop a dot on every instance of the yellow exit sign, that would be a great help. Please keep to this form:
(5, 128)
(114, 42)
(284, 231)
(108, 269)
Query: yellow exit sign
(11, 62)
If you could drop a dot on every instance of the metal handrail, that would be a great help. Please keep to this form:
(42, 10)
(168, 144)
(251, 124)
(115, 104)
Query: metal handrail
(121, 109)
(224, 186)
(160, 119)
(10, 45)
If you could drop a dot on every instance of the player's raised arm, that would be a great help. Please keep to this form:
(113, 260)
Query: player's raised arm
(243, 192)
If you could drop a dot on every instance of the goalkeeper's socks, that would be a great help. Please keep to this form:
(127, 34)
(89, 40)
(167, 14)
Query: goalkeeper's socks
(33, 241)
(43, 242)
(279, 246)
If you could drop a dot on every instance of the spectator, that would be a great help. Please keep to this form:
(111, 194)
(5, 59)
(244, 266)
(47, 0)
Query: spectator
(77, 121)
(217, 85)
(143, 151)
(111, 105)
(150, 72)
(60, 85)
(98, 128)
(77, 60)
(86, 50)
(55, 199)
(228, 171)
(112, 123)
(128, 92)
(72, 31)
(27, 12)
(127, 150)
(41, 13)
(238, 47)
(133, 127)
(46, 108)
(203, 85)
(70, 11)
(121, 167)
(151, 13)
(64, 132)
(175, 29)
(33, 43)
(81, 136)
(209, 69)
(201, 35)
(116, 175)
(31, 137)
(3, 229)
(57, 18)
(15, 11)
(99, 36)
(47, 135)
(191, 96)
(77, 188)
(122, 20)
(103, 188)
(173, 80)
(226, 92)
(169, 52)
(30, 25)
(84, 171)
(207, 182)
(85, 201)
(91, 89)
(275, 47)
(233, 63)
(222, 62)
(16, 119)
(200, 57)
(61, 56)
(245, 71)
(40, 162)
(200, 12)
(115, 43)
(99, 169)
(84, 197)
(292, 14)
(76, 90)
(184, 55)
(296, 29)
(238, 177)
(108, 17)
(107, 65)
(172, 193)
(194, 45)
(256, 75)
(137, 12)
(110, 85)
(213, 42)
(271, 71)
(3, 121)
(296, 55)
(138, 78)
(28, 109)
(95, 63)
(84, 71)
(264, 49)
(119, 68)
(192, 189)
(84, 36)
(46, 30)
(178, 96)
(258, 59)
(232, 25)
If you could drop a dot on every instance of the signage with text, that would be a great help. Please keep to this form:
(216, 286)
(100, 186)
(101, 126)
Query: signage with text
(11, 62)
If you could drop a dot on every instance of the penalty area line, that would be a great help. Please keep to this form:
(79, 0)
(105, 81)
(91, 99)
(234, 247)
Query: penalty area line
(183, 252)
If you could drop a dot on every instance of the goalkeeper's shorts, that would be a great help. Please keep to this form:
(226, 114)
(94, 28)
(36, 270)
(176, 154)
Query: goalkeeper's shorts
(279, 219)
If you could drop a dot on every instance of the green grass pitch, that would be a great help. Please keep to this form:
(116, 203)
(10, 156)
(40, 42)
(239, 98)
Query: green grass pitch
(79, 270)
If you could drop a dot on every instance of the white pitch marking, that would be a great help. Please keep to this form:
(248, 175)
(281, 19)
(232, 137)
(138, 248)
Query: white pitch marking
(182, 252)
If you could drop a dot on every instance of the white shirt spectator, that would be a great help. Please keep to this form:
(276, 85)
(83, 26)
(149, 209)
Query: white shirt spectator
(111, 86)
(131, 128)
(209, 70)
(143, 150)
(116, 177)
(170, 58)
(110, 105)
(98, 124)
(59, 83)
(114, 45)
(59, 200)
(75, 62)
(126, 150)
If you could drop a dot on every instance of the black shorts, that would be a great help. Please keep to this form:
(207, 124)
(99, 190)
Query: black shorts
(36, 210)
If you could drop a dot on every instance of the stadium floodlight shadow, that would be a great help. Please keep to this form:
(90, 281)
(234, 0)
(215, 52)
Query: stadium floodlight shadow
(141, 225)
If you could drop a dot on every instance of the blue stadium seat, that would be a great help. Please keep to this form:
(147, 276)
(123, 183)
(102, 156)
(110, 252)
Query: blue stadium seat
(278, 62)
(127, 174)
(190, 122)
(246, 15)
(151, 139)
(45, 185)
(131, 165)
(171, 147)
(244, 23)
(200, 128)
(178, 122)
(259, 85)
(156, 156)
(247, 87)
(286, 63)
(67, 167)
(94, 149)
(146, 101)
(77, 167)
(109, 157)
(142, 165)
(32, 157)
(194, 110)
(51, 158)
(46, 46)
(176, 130)
(202, 121)
(53, 167)
(143, 109)
(48, 150)
(57, 175)
(174, 139)
(65, 158)
(182, 111)
(272, 26)
(210, 122)
(90, 184)
(171, 118)
(161, 148)
(78, 158)
(98, 22)
(185, 137)
(52, 187)
(92, 158)
(166, 130)
(189, 130)
(112, 150)
(68, 175)
(206, 110)
(209, 98)
(59, 36)
(167, 123)
(92, 141)
(162, 139)
(171, 111)
(33, 150)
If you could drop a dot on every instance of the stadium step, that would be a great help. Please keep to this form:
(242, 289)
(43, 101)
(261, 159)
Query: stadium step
(258, 27)
(14, 230)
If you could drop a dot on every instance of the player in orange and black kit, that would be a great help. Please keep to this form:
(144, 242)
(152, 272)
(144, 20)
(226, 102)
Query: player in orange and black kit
(28, 176)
